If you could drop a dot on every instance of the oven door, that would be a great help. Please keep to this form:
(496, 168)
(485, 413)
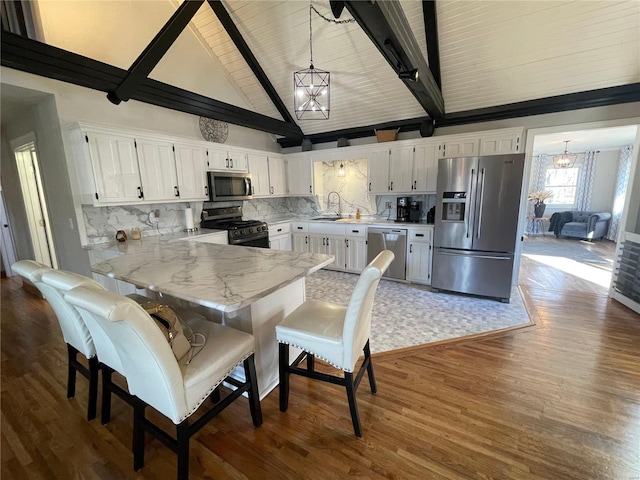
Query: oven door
(225, 186)
(260, 242)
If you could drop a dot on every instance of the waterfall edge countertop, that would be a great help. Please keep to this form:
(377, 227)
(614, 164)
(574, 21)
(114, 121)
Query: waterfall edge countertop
(224, 277)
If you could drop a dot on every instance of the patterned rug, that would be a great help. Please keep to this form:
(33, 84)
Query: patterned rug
(573, 249)
(405, 315)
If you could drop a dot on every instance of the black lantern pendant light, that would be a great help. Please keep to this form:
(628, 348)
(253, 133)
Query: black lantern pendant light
(311, 88)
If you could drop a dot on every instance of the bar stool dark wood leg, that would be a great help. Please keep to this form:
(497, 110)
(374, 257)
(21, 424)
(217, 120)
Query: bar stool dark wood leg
(372, 378)
(353, 406)
(284, 376)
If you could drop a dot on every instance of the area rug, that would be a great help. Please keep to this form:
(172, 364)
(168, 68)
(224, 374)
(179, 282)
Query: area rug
(577, 250)
(406, 315)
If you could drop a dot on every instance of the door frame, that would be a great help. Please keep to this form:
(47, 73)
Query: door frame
(7, 248)
(37, 199)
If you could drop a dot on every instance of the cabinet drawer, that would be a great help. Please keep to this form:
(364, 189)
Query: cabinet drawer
(420, 234)
(327, 228)
(299, 227)
(279, 229)
(358, 232)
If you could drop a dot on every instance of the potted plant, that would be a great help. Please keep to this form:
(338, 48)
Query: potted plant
(538, 199)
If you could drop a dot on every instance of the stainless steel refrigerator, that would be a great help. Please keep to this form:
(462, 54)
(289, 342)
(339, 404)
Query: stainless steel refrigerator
(478, 199)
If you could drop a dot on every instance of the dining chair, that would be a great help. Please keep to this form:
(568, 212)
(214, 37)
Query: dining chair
(74, 331)
(335, 334)
(155, 378)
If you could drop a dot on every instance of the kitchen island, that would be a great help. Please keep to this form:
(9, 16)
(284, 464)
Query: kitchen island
(251, 289)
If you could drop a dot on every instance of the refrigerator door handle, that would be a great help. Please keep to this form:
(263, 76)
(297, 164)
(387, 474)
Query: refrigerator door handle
(480, 206)
(490, 257)
(468, 210)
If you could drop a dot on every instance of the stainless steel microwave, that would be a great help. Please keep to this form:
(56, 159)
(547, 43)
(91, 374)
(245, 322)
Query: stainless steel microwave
(225, 186)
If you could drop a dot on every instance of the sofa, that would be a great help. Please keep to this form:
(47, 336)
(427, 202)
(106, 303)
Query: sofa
(580, 224)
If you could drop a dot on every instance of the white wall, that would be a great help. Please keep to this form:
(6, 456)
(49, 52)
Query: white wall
(605, 174)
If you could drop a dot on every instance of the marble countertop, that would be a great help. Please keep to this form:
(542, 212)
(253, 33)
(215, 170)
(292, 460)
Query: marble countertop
(373, 221)
(223, 277)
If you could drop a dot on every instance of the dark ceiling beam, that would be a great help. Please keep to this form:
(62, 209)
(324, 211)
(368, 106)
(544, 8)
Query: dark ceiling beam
(389, 30)
(247, 54)
(52, 62)
(559, 103)
(431, 33)
(153, 53)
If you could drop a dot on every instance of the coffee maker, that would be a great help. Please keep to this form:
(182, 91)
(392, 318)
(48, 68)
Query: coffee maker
(402, 209)
(415, 211)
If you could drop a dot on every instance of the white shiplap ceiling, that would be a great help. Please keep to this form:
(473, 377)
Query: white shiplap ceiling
(491, 53)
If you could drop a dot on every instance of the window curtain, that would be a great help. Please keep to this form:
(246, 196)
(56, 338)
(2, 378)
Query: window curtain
(585, 184)
(622, 180)
(539, 173)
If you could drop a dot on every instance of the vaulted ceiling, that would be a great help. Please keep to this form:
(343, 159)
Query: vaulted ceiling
(496, 57)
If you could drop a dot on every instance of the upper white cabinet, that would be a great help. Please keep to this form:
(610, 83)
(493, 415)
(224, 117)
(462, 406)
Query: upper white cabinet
(259, 170)
(277, 176)
(378, 170)
(191, 167)
(231, 160)
(401, 169)
(482, 143)
(459, 147)
(499, 143)
(300, 175)
(116, 176)
(157, 170)
(425, 167)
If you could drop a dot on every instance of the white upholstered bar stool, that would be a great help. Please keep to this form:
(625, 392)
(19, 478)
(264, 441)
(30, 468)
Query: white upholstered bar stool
(75, 333)
(157, 379)
(335, 334)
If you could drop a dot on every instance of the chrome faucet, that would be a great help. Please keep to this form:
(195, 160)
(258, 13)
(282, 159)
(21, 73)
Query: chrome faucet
(329, 202)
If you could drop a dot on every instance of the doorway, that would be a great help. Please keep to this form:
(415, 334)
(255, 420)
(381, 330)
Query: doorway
(26, 156)
(596, 184)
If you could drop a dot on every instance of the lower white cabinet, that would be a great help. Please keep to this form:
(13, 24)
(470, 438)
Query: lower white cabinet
(300, 242)
(419, 255)
(356, 248)
(329, 245)
(280, 236)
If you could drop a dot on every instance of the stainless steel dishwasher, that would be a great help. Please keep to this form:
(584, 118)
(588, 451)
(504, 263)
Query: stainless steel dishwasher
(394, 239)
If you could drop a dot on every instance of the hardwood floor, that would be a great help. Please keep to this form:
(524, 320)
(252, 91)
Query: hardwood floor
(558, 401)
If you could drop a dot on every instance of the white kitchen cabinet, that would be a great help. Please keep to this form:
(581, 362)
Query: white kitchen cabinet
(191, 167)
(300, 175)
(329, 239)
(378, 170)
(401, 169)
(356, 248)
(259, 170)
(300, 236)
(425, 168)
(115, 169)
(277, 176)
(280, 236)
(459, 147)
(419, 255)
(157, 170)
(227, 160)
(501, 143)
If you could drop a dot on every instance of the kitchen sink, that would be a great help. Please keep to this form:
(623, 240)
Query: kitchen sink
(327, 219)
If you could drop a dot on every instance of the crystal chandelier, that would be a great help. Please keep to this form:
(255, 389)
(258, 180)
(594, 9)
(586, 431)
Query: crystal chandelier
(565, 159)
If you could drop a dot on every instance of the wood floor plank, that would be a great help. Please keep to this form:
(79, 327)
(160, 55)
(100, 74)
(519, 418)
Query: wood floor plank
(558, 401)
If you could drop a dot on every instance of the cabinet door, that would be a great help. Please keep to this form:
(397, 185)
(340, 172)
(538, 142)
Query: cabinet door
(299, 176)
(218, 159)
(336, 246)
(419, 262)
(237, 161)
(277, 177)
(300, 242)
(500, 144)
(280, 242)
(356, 254)
(115, 169)
(317, 244)
(157, 170)
(259, 170)
(425, 168)
(467, 147)
(191, 165)
(401, 170)
(378, 171)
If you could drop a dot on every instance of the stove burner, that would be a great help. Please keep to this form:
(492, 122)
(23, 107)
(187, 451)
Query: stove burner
(253, 233)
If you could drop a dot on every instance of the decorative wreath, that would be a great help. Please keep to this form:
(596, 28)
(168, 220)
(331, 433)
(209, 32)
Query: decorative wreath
(214, 130)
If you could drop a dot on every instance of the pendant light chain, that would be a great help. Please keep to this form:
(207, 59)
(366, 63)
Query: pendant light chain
(330, 20)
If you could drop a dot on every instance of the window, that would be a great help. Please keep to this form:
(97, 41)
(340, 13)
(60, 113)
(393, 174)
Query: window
(563, 182)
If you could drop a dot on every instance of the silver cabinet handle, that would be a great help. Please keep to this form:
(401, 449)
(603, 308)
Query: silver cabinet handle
(481, 202)
(467, 212)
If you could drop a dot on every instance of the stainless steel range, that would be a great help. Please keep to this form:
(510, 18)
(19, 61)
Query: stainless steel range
(246, 233)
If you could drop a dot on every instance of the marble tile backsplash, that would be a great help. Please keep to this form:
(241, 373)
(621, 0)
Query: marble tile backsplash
(352, 188)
